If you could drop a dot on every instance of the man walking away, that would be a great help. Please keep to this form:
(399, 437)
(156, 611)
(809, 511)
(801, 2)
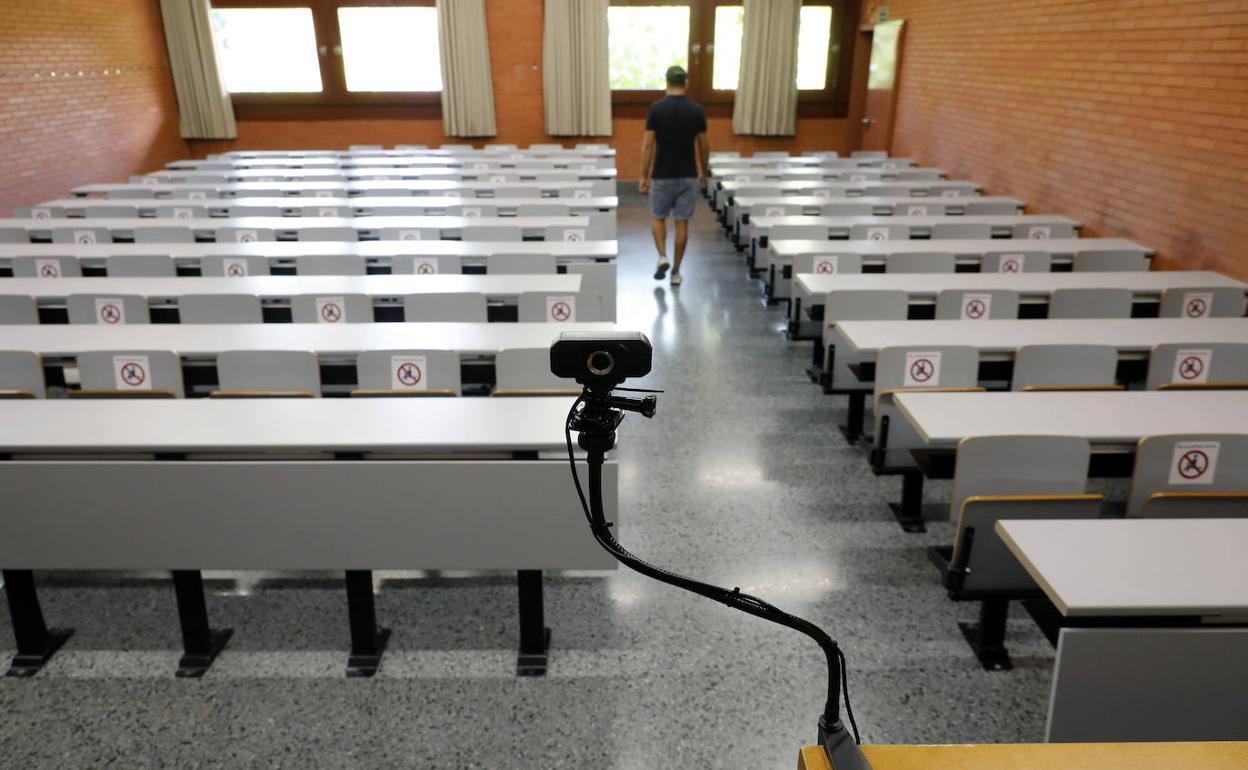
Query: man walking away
(674, 161)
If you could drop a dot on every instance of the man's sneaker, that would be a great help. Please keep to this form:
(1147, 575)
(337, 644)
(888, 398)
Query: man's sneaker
(660, 269)
(676, 279)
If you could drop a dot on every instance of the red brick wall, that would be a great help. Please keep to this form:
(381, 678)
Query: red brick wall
(1130, 115)
(82, 125)
(515, 30)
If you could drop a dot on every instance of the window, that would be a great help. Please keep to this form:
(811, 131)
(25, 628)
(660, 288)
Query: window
(338, 56)
(267, 49)
(729, 30)
(390, 49)
(705, 36)
(814, 39)
(643, 41)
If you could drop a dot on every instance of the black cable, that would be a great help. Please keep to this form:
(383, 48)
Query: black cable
(735, 598)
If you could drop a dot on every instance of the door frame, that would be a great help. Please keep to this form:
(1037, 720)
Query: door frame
(858, 86)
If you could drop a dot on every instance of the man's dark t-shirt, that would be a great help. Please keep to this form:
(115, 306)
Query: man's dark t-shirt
(675, 122)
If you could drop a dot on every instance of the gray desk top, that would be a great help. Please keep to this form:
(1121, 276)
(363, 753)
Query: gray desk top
(783, 251)
(1132, 335)
(928, 285)
(291, 249)
(1140, 567)
(562, 250)
(284, 425)
(398, 161)
(208, 340)
(731, 185)
(271, 286)
(364, 173)
(400, 186)
(359, 203)
(287, 224)
(406, 152)
(762, 225)
(1107, 419)
(819, 172)
(745, 202)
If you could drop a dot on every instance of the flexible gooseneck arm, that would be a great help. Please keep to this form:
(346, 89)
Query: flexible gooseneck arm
(595, 416)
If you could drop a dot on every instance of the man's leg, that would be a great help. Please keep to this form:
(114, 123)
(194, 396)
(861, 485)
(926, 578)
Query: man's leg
(682, 212)
(682, 238)
(660, 207)
(658, 227)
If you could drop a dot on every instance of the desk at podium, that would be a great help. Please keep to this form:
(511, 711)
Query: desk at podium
(1046, 756)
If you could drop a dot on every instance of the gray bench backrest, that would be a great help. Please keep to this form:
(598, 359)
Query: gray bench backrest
(1051, 366)
(269, 370)
(994, 466)
(538, 306)
(131, 370)
(22, 370)
(1212, 302)
(1090, 303)
(85, 309)
(465, 307)
(401, 370)
(1198, 364)
(331, 308)
(220, 309)
(1187, 463)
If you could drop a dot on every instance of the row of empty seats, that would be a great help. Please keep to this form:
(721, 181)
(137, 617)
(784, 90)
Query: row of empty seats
(955, 368)
(117, 309)
(593, 230)
(289, 373)
(987, 304)
(165, 265)
(1029, 261)
(902, 232)
(852, 209)
(416, 209)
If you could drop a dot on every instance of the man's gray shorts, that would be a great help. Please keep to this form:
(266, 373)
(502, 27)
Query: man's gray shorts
(673, 197)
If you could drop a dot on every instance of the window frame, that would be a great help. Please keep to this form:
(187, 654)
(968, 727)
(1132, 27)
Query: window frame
(333, 101)
(831, 101)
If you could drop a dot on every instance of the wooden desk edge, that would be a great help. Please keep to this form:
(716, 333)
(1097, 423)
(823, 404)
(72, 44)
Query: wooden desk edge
(1046, 756)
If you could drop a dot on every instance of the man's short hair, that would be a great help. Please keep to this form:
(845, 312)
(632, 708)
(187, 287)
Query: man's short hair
(676, 76)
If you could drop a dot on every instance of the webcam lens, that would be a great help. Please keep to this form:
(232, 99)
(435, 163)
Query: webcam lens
(601, 363)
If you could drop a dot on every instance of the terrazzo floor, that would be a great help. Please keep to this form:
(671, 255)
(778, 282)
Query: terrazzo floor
(742, 478)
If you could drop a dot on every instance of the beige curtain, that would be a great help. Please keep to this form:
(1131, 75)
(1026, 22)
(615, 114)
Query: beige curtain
(575, 78)
(766, 101)
(205, 110)
(467, 83)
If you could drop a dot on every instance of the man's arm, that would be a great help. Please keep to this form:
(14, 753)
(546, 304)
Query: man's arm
(647, 162)
(702, 153)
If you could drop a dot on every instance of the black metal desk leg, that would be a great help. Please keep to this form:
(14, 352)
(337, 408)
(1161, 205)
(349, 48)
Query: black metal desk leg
(200, 643)
(987, 639)
(534, 635)
(909, 513)
(854, 418)
(36, 644)
(368, 642)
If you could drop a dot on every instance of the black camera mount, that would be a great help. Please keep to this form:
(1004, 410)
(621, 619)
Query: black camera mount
(595, 416)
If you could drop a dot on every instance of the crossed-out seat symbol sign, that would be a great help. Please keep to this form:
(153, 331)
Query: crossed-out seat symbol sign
(409, 374)
(922, 370)
(1193, 464)
(1191, 367)
(133, 374)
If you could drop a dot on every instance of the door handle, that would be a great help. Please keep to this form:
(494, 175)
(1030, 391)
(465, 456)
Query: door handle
(866, 122)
